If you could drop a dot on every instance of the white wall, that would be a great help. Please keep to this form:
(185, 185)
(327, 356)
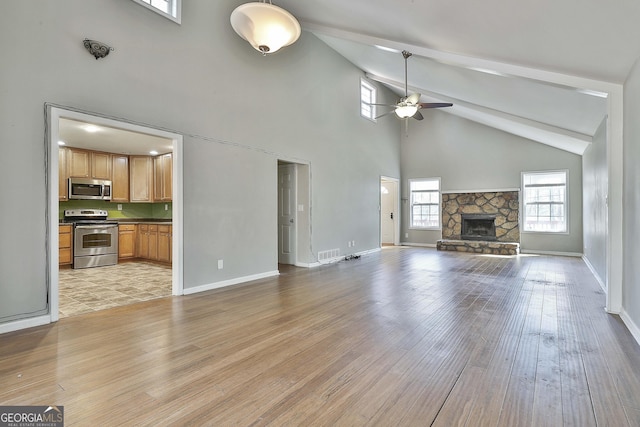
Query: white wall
(631, 228)
(469, 156)
(239, 113)
(595, 178)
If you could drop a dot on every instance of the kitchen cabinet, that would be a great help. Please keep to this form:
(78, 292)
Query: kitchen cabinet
(162, 166)
(154, 242)
(63, 175)
(126, 241)
(140, 179)
(164, 243)
(65, 244)
(88, 164)
(100, 165)
(119, 178)
(79, 163)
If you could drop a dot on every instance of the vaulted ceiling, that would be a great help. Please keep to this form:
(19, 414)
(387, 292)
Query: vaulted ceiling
(537, 69)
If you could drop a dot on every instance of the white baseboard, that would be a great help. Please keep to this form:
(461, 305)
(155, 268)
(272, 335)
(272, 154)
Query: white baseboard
(534, 252)
(422, 245)
(24, 324)
(595, 273)
(630, 324)
(230, 282)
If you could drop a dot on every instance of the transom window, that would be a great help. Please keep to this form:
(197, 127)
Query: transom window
(367, 99)
(170, 9)
(425, 203)
(545, 201)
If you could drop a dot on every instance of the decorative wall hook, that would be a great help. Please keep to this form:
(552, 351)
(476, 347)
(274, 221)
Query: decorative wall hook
(96, 48)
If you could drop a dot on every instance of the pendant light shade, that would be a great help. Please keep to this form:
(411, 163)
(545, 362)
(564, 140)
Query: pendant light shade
(265, 26)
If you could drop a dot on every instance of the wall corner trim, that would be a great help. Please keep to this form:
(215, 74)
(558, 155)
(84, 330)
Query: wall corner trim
(24, 323)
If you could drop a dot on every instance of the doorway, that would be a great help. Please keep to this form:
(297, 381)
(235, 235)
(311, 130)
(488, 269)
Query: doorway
(57, 118)
(294, 214)
(389, 208)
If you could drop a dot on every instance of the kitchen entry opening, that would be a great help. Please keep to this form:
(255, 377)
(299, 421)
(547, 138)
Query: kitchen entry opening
(151, 232)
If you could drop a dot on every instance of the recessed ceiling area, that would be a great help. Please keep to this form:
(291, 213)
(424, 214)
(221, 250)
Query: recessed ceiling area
(97, 137)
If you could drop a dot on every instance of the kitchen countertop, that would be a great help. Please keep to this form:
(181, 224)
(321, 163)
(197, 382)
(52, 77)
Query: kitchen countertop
(128, 221)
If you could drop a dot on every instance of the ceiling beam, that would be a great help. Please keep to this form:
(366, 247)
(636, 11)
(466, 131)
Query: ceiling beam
(553, 136)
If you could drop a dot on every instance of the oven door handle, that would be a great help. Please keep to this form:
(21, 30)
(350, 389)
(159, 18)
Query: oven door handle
(100, 226)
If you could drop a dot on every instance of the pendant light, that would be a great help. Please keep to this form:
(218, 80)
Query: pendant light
(265, 26)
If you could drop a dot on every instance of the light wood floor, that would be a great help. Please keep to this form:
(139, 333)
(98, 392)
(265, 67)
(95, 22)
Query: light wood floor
(403, 337)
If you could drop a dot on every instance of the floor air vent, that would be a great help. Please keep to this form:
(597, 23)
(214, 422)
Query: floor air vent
(330, 255)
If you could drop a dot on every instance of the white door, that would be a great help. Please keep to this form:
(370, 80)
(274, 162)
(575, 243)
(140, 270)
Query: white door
(286, 214)
(388, 216)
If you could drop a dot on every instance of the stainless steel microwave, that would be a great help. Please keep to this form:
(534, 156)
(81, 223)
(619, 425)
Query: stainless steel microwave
(89, 189)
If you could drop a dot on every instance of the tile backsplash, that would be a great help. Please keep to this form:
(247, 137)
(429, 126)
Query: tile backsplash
(129, 210)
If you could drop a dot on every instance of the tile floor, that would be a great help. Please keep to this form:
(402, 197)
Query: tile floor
(92, 289)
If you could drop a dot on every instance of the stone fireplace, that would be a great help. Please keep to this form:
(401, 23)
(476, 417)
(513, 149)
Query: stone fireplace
(481, 222)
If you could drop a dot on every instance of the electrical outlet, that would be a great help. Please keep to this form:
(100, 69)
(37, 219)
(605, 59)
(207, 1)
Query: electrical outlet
(353, 243)
(119, 206)
(166, 207)
(220, 264)
(406, 235)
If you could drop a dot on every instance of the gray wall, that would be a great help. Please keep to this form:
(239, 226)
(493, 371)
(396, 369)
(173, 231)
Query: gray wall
(631, 230)
(238, 111)
(470, 156)
(595, 176)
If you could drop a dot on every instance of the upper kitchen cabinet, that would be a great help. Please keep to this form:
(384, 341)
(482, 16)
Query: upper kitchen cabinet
(163, 177)
(88, 164)
(63, 175)
(120, 178)
(140, 179)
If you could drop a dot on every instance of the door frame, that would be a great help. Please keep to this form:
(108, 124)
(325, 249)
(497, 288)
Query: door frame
(294, 252)
(303, 218)
(53, 115)
(396, 203)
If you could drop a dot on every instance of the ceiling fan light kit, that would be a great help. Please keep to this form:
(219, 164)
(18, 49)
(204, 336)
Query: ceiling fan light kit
(265, 26)
(406, 111)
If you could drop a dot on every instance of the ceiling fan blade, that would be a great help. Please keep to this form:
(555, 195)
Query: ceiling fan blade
(414, 98)
(418, 116)
(435, 104)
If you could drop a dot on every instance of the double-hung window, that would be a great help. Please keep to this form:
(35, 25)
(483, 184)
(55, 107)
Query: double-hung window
(367, 99)
(170, 9)
(545, 201)
(425, 203)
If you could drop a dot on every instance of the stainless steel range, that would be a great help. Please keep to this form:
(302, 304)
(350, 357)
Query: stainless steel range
(95, 239)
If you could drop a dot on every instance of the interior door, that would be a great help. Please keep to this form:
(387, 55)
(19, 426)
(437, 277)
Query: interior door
(286, 214)
(387, 212)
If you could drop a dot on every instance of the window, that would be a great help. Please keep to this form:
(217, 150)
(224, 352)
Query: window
(168, 8)
(545, 201)
(425, 203)
(367, 98)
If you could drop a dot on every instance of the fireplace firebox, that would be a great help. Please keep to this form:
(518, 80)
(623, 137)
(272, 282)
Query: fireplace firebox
(478, 227)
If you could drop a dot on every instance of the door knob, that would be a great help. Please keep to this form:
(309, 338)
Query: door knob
(291, 220)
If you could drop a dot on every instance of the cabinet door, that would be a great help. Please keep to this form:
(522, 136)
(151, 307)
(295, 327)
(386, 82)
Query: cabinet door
(126, 241)
(143, 241)
(153, 242)
(141, 178)
(164, 243)
(120, 178)
(167, 177)
(63, 175)
(100, 165)
(65, 245)
(78, 162)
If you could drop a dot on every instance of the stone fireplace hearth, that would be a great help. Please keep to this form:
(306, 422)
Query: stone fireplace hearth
(482, 222)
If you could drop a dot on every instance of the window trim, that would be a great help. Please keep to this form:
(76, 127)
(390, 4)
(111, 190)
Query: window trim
(439, 226)
(364, 83)
(177, 5)
(566, 202)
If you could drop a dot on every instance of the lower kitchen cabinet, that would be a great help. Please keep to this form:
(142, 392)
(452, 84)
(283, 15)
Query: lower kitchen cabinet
(126, 241)
(65, 244)
(154, 242)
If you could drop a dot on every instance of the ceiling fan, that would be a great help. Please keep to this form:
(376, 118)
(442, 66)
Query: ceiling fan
(410, 105)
